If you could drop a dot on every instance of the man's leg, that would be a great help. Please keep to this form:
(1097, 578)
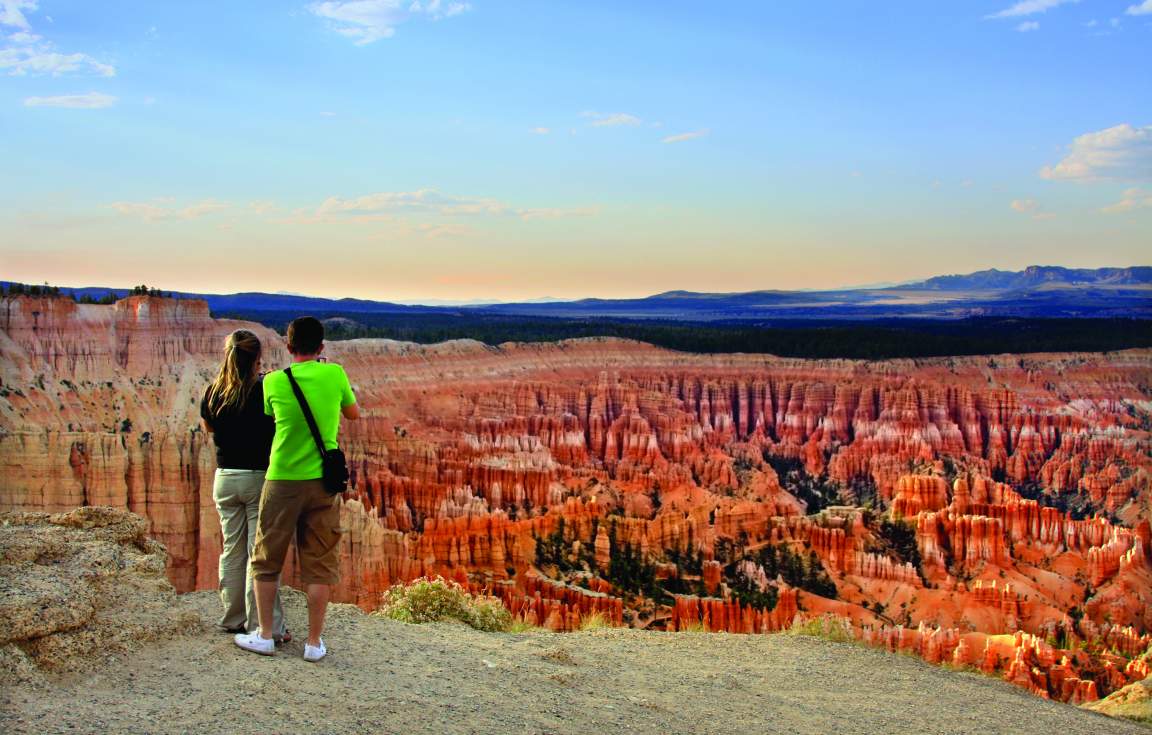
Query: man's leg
(265, 604)
(318, 540)
(252, 507)
(280, 505)
(318, 595)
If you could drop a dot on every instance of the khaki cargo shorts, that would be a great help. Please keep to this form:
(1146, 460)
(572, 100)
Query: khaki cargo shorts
(303, 510)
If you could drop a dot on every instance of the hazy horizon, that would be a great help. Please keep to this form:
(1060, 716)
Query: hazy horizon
(457, 151)
(483, 301)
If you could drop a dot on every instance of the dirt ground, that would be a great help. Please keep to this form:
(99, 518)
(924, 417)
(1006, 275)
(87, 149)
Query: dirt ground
(383, 676)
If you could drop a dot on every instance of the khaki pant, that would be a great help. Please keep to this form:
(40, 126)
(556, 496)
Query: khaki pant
(303, 511)
(237, 496)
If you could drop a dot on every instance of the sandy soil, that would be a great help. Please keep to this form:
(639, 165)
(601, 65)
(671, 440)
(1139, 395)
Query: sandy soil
(383, 676)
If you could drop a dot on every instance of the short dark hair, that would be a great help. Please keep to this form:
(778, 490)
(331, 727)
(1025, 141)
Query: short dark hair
(305, 335)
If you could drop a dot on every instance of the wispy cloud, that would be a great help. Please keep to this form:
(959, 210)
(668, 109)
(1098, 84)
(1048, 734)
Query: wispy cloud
(541, 130)
(1031, 208)
(1144, 8)
(159, 210)
(1119, 153)
(610, 119)
(368, 21)
(89, 101)
(437, 231)
(1132, 199)
(681, 137)
(12, 13)
(388, 205)
(25, 52)
(1028, 25)
(1029, 7)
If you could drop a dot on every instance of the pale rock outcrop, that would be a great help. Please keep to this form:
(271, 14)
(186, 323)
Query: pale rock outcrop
(78, 587)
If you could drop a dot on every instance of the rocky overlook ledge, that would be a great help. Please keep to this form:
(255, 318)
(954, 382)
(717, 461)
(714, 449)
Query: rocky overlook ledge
(95, 640)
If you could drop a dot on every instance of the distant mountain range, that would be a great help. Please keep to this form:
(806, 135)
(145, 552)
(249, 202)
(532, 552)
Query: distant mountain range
(1036, 291)
(1038, 276)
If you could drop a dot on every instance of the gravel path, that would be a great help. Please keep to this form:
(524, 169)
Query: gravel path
(382, 676)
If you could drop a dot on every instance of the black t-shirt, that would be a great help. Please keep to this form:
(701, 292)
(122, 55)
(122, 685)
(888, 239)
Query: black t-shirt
(243, 436)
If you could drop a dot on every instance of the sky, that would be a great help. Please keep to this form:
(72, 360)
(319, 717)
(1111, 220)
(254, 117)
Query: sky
(412, 150)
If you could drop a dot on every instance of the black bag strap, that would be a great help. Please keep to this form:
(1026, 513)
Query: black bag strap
(307, 412)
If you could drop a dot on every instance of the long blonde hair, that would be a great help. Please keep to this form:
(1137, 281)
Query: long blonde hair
(237, 374)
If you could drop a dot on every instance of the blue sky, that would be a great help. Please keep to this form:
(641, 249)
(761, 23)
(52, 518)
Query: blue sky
(486, 149)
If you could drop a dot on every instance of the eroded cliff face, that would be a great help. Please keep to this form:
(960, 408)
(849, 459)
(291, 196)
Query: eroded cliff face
(990, 512)
(100, 406)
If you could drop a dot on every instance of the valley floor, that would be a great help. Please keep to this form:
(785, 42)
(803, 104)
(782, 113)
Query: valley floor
(382, 676)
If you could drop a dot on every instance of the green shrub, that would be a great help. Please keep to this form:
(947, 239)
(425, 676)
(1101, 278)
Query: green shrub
(489, 615)
(828, 627)
(520, 625)
(595, 621)
(434, 600)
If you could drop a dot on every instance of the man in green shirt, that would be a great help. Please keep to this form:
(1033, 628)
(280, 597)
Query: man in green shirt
(294, 502)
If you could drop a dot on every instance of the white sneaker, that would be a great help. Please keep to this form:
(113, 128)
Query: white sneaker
(312, 654)
(255, 643)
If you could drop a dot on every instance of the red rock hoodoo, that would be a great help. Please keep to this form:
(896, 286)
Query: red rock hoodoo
(986, 511)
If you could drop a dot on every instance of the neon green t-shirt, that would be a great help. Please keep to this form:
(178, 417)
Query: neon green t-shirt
(294, 453)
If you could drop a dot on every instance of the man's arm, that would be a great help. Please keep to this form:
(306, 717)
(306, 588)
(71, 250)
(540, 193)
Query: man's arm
(267, 398)
(348, 406)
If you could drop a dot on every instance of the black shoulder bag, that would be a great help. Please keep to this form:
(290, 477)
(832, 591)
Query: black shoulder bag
(335, 465)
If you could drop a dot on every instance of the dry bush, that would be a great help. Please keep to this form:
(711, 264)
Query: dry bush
(433, 600)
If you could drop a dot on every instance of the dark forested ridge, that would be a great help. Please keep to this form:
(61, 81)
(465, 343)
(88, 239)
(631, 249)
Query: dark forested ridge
(807, 338)
(1039, 309)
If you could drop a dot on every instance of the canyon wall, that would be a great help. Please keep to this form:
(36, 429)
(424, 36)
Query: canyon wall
(984, 511)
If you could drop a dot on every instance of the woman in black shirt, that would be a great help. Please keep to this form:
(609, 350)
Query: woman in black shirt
(233, 412)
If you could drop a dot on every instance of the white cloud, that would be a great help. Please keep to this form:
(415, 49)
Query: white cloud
(1132, 199)
(1144, 8)
(89, 101)
(437, 9)
(610, 119)
(262, 206)
(388, 204)
(12, 13)
(1028, 25)
(26, 52)
(160, 210)
(327, 113)
(1032, 208)
(1029, 7)
(368, 21)
(40, 59)
(681, 137)
(541, 130)
(1120, 153)
(435, 231)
